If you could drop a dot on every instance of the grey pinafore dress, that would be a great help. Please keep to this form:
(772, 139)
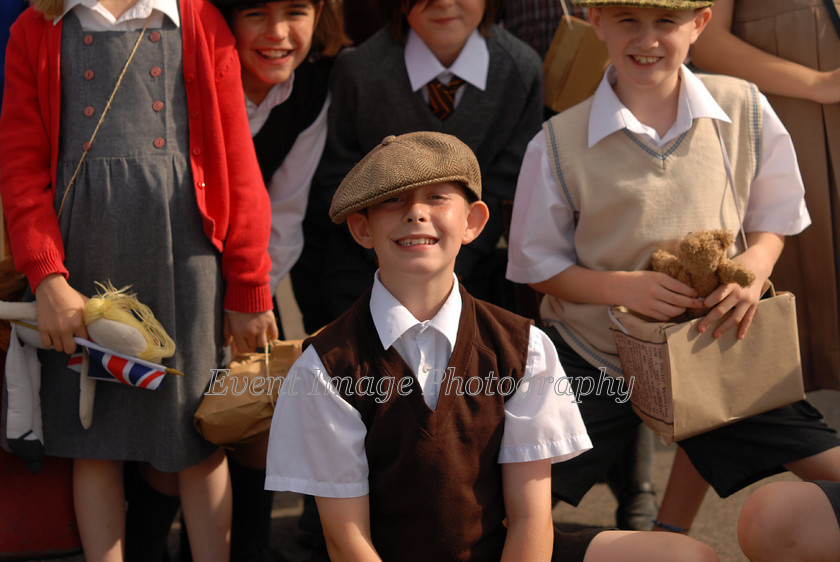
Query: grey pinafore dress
(801, 31)
(132, 218)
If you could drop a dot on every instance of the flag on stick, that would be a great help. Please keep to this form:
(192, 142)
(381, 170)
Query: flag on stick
(108, 365)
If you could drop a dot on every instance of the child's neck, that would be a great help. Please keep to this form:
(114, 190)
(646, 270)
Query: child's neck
(117, 7)
(656, 106)
(422, 297)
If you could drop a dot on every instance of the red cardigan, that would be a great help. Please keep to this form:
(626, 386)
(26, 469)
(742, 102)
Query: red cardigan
(229, 189)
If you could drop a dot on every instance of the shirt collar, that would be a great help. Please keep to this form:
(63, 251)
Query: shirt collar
(392, 319)
(140, 10)
(609, 115)
(472, 64)
(276, 95)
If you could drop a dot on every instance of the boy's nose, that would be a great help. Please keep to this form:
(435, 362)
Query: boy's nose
(648, 38)
(416, 212)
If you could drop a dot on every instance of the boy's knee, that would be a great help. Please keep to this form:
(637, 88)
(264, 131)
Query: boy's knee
(767, 524)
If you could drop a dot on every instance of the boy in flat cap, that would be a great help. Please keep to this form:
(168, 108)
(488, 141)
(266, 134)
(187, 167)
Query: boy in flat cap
(637, 165)
(432, 418)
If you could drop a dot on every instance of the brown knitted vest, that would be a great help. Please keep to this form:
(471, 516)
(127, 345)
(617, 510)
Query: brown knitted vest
(435, 481)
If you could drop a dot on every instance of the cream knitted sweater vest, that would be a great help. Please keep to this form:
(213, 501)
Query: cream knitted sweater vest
(633, 197)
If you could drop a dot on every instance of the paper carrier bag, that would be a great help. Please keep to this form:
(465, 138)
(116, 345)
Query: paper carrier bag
(574, 64)
(687, 383)
(238, 405)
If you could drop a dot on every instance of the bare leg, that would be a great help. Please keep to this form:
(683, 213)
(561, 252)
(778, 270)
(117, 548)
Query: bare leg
(684, 494)
(99, 498)
(789, 521)
(206, 503)
(639, 546)
(822, 466)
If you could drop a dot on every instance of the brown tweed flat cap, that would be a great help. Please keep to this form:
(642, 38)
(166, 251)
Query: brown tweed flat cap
(668, 4)
(402, 163)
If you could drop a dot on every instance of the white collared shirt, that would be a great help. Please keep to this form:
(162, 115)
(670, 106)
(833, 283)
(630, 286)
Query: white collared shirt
(325, 455)
(288, 188)
(546, 247)
(472, 64)
(95, 17)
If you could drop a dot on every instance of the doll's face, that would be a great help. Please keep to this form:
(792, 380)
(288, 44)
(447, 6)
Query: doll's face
(272, 39)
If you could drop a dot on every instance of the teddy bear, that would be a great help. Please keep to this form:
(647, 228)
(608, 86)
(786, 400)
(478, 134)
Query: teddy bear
(701, 263)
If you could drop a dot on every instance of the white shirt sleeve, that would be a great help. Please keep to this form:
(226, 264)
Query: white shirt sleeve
(541, 418)
(317, 441)
(289, 192)
(542, 227)
(777, 195)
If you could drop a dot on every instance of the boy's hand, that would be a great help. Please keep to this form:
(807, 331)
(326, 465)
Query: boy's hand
(248, 331)
(740, 302)
(61, 313)
(656, 295)
(737, 302)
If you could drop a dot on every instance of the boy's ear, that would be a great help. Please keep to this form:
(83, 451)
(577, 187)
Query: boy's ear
(477, 216)
(358, 225)
(701, 18)
(595, 20)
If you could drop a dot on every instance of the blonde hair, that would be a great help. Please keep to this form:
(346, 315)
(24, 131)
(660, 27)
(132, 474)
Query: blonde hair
(123, 306)
(49, 8)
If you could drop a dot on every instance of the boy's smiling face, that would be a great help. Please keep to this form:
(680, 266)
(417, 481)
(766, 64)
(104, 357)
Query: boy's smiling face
(445, 25)
(418, 233)
(648, 45)
(272, 38)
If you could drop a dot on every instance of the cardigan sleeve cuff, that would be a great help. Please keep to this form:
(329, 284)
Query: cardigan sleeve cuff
(41, 266)
(248, 298)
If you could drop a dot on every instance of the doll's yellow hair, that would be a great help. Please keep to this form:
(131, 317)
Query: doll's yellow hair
(123, 306)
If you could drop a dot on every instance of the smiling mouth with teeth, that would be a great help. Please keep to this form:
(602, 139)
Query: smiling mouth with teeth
(645, 60)
(274, 54)
(416, 241)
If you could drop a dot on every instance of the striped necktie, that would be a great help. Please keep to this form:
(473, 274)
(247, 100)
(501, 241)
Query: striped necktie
(442, 97)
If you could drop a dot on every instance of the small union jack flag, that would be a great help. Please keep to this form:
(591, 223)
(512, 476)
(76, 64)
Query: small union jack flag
(108, 365)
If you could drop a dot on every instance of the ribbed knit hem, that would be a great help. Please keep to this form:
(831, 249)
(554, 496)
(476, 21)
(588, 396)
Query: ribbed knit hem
(247, 298)
(42, 265)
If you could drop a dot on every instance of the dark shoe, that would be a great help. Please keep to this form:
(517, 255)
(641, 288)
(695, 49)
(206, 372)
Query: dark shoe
(637, 508)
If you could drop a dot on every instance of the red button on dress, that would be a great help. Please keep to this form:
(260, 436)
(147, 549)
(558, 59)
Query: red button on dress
(88, 74)
(159, 142)
(154, 36)
(157, 106)
(88, 39)
(155, 71)
(89, 111)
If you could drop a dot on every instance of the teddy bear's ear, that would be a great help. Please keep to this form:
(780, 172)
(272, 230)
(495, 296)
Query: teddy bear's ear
(724, 238)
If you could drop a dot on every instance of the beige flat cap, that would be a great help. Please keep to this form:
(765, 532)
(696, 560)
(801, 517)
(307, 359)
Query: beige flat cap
(402, 163)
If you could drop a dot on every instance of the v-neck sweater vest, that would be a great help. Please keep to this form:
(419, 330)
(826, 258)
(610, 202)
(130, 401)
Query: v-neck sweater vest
(435, 481)
(633, 198)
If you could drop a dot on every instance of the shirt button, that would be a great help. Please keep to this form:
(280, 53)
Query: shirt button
(86, 146)
(159, 142)
(88, 39)
(157, 106)
(155, 71)
(154, 36)
(89, 111)
(88, 74)
(196, 151)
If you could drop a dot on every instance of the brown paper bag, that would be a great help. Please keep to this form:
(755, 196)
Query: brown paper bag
(686, 383)
(238, 405)
(574, 64)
